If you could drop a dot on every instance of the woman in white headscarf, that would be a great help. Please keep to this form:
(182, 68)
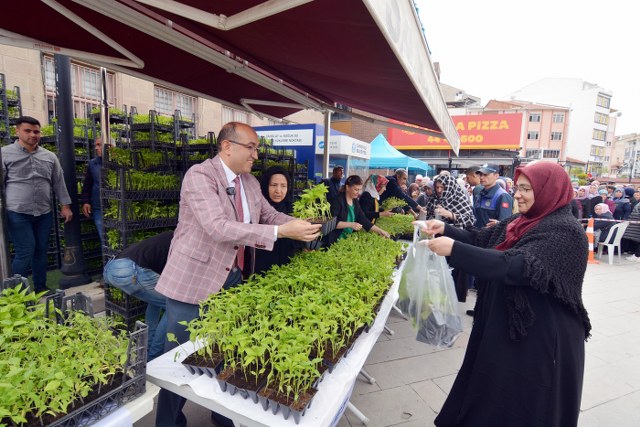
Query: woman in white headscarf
(601, 228)
(370, 198)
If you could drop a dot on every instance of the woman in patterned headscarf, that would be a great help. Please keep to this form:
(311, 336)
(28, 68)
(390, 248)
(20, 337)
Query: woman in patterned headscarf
(370, 198)
(450, 203)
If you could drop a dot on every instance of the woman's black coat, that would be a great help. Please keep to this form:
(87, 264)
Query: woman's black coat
(340, 210)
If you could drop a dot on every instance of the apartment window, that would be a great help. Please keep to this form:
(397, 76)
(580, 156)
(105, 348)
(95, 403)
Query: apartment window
(551, 154)
(597, 151)
(532, 134)
(558, 117)
(85, 87)
(606, 158)
(556, 136)
(168, 101)
(532, 154)
(602, 119)
(233, 115)
(603, 101)
(534, 117)
(599, 135)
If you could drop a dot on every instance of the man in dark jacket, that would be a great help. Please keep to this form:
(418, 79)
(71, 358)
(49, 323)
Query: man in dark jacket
(91, 189)
(334, 183)
(394, 189)
(136, 271)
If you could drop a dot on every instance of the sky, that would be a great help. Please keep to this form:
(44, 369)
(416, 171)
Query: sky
(491, 48)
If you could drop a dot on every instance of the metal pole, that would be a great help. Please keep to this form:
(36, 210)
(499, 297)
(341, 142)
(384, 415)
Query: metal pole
(73, 266)
(5, 262)
(327, 133)
(104, 111)
(633, 162)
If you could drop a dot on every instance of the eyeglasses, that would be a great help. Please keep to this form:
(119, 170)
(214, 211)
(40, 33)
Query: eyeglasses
(522, 189)
(250, 147)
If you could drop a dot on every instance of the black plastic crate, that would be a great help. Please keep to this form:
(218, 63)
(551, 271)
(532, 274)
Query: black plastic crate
(141, 194)
(122, 303)
(126, 323)
(145, 224)
(132, 386)
(13, 281)
(65, 304)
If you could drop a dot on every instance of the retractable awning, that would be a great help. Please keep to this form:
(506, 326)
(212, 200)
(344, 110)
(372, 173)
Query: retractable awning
(271, 57)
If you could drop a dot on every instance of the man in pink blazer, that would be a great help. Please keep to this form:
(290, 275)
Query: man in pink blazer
(218, 218)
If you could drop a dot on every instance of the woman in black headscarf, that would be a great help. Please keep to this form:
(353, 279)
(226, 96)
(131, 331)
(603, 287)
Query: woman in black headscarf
(524, 362)
(276, 188)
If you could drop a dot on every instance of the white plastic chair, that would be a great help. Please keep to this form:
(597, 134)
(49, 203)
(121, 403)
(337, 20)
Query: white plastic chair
(613, 241)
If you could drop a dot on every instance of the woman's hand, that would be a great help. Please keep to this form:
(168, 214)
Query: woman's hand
(440, 245)
(432, 226)
(439, 210)
(355, 226)
(380, 232)
(386, 213)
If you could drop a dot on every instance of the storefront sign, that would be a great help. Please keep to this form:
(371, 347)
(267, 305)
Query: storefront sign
(289, 138)
(477, 132)
(345, 146)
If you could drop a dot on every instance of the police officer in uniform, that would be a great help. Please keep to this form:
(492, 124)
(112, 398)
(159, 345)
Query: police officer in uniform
(492, 204)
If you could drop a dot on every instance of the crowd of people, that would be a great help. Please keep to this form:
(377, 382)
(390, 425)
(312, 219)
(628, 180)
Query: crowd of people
(519, 243)
(609, 204)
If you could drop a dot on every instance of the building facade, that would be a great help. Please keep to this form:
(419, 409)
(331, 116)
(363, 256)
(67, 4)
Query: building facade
(545, 128)
(590, 107)
(34, 73)
(629, 163)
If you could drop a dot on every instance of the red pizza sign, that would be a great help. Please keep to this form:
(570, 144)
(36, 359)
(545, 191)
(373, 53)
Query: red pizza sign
(480, 132)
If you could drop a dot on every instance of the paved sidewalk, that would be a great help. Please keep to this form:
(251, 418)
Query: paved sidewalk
(412, 379)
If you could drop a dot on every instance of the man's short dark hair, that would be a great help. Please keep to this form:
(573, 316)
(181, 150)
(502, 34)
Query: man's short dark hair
(27, 119)
(401, 172)
(472, 170)
(337, 168)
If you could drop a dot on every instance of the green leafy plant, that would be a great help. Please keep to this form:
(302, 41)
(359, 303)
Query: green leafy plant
(47, 366)
(313, 204)
(279, 326)
(139, 181)
(113, 111)
(391, 203)
(396, 225)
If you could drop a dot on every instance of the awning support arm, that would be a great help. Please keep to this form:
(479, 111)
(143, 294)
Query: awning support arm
(222, 22)
(18, 40)
(182, 39)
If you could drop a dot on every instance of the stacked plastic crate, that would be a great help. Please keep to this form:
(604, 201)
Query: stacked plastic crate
(269, 156)
(140, 194)
(10, 110)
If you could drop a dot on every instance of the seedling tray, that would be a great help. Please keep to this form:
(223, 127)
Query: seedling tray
(128, 306)
(132, 386)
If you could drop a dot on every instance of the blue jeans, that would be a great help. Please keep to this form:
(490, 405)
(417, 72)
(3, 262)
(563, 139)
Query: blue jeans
(141, 282)
(169, 410)
(97, 219)
(30, 237)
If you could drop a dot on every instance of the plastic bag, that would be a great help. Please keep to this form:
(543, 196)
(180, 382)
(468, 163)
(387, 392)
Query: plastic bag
(428, 297)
